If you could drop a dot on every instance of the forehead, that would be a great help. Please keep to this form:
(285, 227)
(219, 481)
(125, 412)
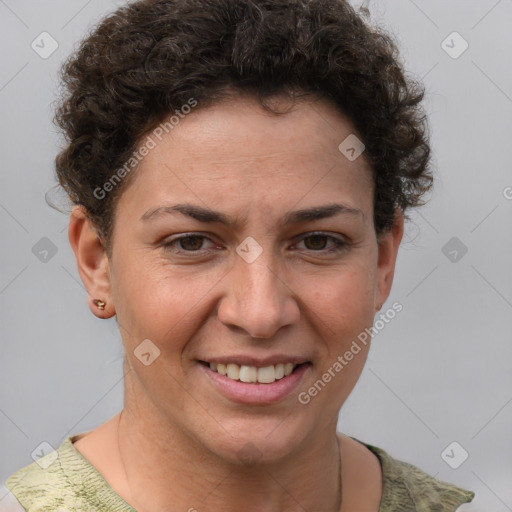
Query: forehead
(235, 153)
(239, 129)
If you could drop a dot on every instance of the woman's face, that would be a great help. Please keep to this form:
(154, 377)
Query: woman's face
(261, 276)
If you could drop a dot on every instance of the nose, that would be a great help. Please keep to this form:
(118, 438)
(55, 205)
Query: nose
(258, 299)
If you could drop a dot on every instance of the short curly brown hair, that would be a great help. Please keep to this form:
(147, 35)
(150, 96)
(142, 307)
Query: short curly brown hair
(148, 58)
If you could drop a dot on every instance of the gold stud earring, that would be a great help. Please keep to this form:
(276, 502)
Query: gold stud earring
(99, 303)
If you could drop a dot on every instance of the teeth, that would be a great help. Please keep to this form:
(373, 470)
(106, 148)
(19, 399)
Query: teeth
(248, 374)
(265, 375)
(288, 368)
(233, 371)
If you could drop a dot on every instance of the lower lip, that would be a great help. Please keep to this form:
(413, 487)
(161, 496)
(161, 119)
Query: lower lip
(256, 393)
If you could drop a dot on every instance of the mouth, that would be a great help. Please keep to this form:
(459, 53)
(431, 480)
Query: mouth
(253, 384)
(253, 374)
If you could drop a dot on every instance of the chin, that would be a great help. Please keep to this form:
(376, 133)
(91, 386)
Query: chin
(251, 441)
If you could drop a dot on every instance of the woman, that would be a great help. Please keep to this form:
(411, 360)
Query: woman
(241, 172)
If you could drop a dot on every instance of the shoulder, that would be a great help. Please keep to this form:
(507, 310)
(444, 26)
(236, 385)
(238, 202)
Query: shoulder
(405, 484)
(63, 480)
(9, 503)
(44, 485)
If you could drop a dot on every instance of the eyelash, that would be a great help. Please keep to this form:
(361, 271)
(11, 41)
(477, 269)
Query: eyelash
(340, 245)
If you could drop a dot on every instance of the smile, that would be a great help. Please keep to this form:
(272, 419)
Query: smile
(255, 385)
(265, 375)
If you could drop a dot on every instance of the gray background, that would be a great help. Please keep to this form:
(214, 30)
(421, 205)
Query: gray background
(438, 373)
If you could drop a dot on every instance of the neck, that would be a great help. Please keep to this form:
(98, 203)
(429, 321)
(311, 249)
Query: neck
(162, 465)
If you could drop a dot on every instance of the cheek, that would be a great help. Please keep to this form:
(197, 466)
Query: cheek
(161, 302)
(342, 302)
(341, 308)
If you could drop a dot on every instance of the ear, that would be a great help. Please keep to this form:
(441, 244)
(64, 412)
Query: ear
(92, 262)
(388, 244)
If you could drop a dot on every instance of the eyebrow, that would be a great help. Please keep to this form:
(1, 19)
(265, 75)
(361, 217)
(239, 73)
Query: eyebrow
(210, 216)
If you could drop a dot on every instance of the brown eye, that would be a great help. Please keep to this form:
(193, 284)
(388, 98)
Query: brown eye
(187, 244)
(191, 243)
(319, 242)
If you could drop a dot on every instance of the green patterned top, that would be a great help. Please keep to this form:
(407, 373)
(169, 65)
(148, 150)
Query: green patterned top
(65, 481)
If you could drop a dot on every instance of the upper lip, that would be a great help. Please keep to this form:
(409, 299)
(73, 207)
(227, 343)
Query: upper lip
(259, 362)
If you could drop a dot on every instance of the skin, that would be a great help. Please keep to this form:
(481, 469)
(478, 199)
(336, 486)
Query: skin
(175, 444)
